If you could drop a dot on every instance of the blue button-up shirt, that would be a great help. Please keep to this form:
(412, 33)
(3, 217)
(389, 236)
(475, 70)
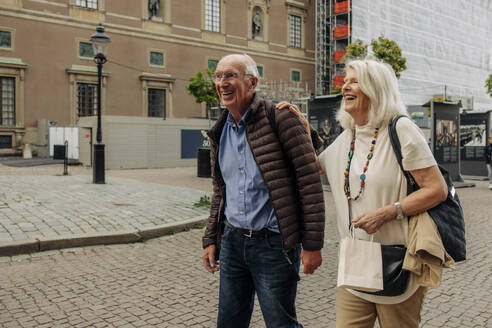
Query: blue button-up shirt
(248, 204)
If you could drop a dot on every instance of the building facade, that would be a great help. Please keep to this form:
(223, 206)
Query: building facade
(47, 72)
(447, 44)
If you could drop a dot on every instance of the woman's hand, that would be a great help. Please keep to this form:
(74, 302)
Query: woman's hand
(373, 220)
(294, 110)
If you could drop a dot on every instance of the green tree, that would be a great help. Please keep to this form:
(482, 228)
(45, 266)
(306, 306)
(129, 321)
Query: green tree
(488, 85)
(389, 52)
(336, 90)
(383, 49)
(355, 50)
(202, 87)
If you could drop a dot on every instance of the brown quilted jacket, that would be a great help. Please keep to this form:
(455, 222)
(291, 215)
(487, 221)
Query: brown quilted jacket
(297, 201)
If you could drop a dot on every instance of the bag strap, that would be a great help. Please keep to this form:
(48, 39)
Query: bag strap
(395, 143)
(270, 113)
(271, 119)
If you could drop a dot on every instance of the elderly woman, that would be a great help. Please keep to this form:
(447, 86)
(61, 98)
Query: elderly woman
(364, 174)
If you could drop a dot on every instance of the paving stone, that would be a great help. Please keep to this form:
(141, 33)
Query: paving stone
(160, 283)
(121, 204)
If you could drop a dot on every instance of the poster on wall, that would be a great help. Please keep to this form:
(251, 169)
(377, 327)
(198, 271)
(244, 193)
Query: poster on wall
(473, 138)
(446, 133)
(446, 141)
(473, 135)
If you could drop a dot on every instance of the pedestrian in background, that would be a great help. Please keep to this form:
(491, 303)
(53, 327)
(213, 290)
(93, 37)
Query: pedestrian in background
(488, 159)
(370, 190)
(267, 202)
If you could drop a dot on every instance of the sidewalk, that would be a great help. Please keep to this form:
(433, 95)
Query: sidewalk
(162, 283)
(40, 209)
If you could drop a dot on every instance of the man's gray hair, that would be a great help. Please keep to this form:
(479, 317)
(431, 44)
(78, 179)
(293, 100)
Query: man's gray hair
(250, 67)
(378, 82)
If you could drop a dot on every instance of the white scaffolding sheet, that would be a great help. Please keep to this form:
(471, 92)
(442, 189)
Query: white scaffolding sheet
(447, 43)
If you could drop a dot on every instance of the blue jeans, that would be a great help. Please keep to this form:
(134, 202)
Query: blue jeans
(257, 265)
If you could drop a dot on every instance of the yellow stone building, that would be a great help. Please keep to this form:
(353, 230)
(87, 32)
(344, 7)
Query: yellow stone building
(47, 72)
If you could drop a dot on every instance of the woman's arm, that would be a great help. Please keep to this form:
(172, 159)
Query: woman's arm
(433, 191)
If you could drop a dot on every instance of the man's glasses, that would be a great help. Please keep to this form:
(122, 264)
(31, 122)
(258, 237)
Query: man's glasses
(228, 76)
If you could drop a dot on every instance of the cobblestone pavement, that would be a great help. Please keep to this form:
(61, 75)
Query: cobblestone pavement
(160, 283)
(36, 206)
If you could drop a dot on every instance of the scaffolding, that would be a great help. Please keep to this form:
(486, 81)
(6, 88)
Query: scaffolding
(321, 48)
(277, 91)
(333, 35)
(447, 44)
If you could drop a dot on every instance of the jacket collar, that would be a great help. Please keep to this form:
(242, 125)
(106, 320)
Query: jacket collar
(216, 131)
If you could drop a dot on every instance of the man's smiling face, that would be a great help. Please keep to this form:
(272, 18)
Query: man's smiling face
(234, 92)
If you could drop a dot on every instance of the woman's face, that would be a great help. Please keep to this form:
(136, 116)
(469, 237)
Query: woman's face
(356, 102)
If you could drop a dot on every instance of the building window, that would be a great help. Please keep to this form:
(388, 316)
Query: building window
(295, 76)
(7, 101)
(5, 142)
(212, 15)
(212, 63)
(156, 58)
(157, 103)
(86, 50)
(260, 71)
(5, 39)
(92, 4)
(86, 99)
(295, 31)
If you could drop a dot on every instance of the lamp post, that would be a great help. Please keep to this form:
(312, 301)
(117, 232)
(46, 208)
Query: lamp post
(100, 42)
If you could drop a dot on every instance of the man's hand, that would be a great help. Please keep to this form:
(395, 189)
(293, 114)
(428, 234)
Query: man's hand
(209, 262)
(311, 260)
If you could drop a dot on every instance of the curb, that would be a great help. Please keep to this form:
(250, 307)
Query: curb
(118, 237)
(107, 238)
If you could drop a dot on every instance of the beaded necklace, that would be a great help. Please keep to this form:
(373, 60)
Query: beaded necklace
(346, 186)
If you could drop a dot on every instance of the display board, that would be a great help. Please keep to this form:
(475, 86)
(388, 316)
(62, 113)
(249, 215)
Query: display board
(473, 139)
(446, 133)
(322, 117)
(322, 111)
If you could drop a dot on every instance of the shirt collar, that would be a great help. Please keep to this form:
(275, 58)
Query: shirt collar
(230, 119)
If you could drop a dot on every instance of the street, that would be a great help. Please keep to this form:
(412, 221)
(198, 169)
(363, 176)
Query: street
(161, 282)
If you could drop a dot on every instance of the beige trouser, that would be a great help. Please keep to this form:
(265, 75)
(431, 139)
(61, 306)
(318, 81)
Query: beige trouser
(355, 312)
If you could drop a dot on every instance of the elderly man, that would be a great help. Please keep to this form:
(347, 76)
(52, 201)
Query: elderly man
(267, 202)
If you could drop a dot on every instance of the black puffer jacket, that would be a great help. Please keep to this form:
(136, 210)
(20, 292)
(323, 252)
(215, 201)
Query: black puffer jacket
(297, 201)
(488, 154)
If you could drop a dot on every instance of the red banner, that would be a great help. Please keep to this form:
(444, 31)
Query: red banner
(338, 56)
(341, 7)
(341, 31)
(338, 80)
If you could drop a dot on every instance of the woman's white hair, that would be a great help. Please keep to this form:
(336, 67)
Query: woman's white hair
(378, 82)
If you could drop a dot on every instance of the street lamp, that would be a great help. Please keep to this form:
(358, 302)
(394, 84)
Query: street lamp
(100, 42)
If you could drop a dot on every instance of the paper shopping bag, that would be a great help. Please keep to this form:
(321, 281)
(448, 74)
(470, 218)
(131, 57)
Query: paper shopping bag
(360, 265)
